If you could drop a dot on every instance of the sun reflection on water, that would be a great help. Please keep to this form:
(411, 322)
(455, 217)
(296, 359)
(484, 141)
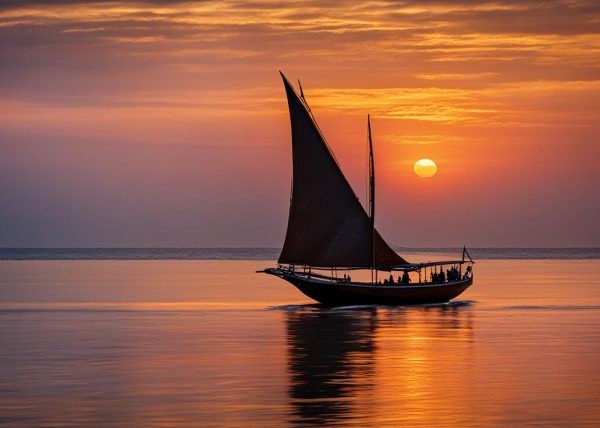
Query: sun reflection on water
(342, 362)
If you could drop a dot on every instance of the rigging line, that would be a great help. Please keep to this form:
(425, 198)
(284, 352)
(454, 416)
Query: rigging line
(301, 91)
(371, 174)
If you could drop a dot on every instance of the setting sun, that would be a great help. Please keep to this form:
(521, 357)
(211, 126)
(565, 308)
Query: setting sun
(425, 168)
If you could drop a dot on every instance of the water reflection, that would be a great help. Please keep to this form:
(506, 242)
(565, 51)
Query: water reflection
(338, 360)
(329, 360)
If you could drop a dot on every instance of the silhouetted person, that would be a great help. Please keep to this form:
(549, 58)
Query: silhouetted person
(405, 278)
(467, 272)
(442, 276)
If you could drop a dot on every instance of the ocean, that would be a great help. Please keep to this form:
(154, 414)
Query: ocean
(194, 337)
(273, 253)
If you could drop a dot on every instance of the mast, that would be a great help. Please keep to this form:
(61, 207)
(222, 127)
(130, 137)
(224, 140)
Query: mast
(371, 193)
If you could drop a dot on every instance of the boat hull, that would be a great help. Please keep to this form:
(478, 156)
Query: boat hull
(346, 293)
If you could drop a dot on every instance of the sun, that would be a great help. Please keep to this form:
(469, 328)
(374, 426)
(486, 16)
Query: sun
(425, 168)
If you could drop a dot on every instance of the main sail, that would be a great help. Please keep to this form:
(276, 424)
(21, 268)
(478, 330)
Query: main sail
(327, 226)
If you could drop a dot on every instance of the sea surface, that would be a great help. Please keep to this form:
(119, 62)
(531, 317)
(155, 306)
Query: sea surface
(273, 253)
(194, 337)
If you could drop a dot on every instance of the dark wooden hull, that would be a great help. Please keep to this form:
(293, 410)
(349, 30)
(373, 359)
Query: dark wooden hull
(348, 293)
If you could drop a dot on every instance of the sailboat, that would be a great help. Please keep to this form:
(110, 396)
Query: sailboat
(330, 235)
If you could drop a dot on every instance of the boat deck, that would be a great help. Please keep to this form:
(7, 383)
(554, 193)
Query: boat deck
(315, 278)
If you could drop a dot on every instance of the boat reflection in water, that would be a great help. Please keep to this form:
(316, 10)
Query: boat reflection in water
(365, 364)
(330, 360)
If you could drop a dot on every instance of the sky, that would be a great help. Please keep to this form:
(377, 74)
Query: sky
(156, 123)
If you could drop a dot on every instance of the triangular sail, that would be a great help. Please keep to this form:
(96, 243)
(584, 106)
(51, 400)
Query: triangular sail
(327, 226)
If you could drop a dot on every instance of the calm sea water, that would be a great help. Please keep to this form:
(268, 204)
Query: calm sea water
(139, 343)
(273, 253)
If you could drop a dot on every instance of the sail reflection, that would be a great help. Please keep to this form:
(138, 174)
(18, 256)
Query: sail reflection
(329, 361)
(338, 360)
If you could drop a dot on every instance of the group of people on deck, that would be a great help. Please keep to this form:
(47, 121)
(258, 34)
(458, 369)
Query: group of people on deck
(451, 275)
(402, 280)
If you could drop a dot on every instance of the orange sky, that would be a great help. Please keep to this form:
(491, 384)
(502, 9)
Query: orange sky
(151, 123)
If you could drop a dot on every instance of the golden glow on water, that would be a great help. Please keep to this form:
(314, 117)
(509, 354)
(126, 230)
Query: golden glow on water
(112, 341)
